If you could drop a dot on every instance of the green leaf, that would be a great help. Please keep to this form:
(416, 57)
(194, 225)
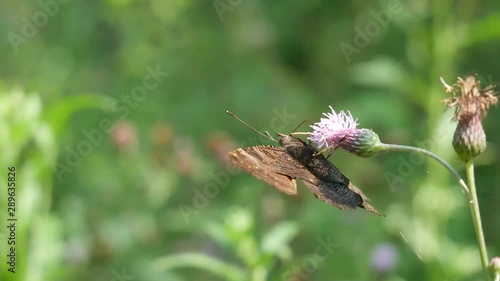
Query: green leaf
(277, 240)
(200, 261)
(58, 114)
(382, 72)
(484, 29)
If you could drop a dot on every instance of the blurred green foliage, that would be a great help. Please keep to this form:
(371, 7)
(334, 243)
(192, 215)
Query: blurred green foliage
(114, 118)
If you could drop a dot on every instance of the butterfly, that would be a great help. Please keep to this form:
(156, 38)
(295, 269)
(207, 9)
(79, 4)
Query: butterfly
(295, 159)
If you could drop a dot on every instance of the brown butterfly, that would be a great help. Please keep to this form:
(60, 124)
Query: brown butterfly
(280, 166)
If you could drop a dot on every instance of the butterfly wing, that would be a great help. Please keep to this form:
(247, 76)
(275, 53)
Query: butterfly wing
(322, 178)
(287, 165)
(335, 190)
(365, 205)
(260, 162)
(339, 195)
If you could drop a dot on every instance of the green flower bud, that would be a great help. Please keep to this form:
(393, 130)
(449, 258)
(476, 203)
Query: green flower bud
(362, 142)
(495, 265)
(469, 139)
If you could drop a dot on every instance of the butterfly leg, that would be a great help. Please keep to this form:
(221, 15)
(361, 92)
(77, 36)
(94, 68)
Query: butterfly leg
(332, 147)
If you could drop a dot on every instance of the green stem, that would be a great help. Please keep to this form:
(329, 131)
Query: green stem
(397, 147)
(476, 217)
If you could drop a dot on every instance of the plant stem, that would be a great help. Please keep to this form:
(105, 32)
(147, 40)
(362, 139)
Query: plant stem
(397, 147)
(476, 217)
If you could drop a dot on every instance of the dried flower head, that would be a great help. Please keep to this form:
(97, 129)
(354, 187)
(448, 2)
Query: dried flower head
(340, 130)
(471, 104)
(471, 99)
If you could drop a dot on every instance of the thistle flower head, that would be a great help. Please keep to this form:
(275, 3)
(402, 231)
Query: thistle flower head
(329, 131)
(340, 130)
(471, 103)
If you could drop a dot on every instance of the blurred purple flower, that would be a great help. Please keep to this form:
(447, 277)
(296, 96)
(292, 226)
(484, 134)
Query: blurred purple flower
(384, 257)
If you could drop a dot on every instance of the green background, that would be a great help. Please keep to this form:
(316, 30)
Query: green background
(112, 186)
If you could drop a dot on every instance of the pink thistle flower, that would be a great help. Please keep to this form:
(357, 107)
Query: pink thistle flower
(331, 130)
(341, 130)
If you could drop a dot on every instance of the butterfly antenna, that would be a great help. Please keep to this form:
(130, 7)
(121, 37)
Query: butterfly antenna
(265, 134)
(301, 133)
(301, 123)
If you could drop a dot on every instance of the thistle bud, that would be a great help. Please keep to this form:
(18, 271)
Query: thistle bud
(469, 139)
(471, 103)
(363, 143)
(495, 265)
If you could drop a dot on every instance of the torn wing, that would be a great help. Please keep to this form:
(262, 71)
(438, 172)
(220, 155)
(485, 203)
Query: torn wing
(259, 161)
